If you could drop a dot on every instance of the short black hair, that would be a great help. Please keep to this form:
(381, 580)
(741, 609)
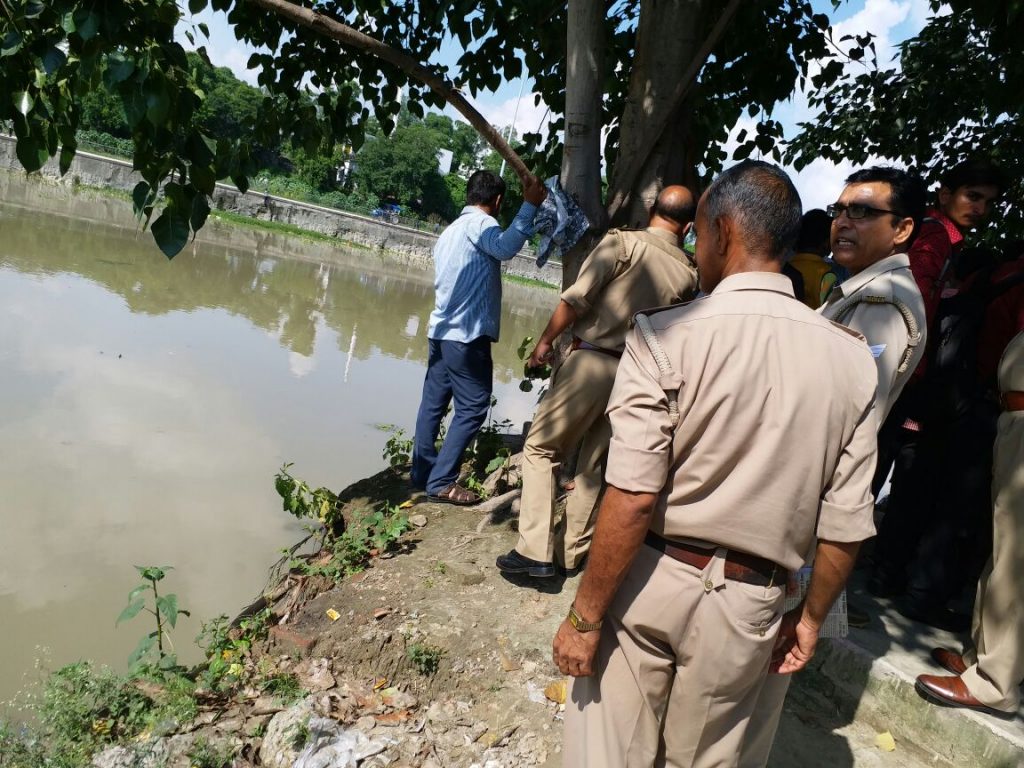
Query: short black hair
(669, 207)
(908, 195)
(763, 202)
(484, 187)
(974, 172)
(815, 230)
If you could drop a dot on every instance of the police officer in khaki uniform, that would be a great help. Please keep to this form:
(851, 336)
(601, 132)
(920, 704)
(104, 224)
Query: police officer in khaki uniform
(628, 271)
(988, 676)
(872, 225)
(708, 507)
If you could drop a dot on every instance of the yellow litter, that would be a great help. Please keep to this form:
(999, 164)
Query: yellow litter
(406, 505)
(333, 615)
(556, 691)
(885, 742)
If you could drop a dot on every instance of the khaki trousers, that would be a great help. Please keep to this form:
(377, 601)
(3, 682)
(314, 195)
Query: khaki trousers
(996, 663)
(764, 722)
(572, 410)
(681, 658)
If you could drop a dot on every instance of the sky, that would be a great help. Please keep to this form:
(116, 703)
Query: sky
(892, 21)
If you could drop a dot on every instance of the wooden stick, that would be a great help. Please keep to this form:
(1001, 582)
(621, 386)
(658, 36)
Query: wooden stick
(346, 35)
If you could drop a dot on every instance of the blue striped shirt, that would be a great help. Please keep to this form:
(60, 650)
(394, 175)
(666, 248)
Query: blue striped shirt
(467, 273)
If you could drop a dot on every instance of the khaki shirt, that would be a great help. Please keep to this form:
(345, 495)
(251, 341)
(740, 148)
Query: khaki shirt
(769, 451)
(1011, 366)
(882, 324)
(628, 271)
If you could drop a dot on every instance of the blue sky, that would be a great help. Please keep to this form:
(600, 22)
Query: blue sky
(892, 21)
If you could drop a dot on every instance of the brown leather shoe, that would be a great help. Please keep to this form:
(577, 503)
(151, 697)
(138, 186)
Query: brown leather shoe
(949, 660)
(952, 692)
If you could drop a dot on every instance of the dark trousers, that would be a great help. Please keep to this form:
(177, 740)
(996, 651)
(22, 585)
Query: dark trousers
(459, 372)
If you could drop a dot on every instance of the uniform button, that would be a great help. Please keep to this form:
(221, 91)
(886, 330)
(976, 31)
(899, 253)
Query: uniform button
(709, 585)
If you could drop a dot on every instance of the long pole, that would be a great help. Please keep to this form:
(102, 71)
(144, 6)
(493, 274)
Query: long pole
(515, 114)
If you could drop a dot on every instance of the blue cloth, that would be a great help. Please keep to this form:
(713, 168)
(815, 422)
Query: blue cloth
(458, 371)
(467, 273)
(560, 222)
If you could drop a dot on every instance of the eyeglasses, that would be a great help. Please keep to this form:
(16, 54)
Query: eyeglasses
(856, 211)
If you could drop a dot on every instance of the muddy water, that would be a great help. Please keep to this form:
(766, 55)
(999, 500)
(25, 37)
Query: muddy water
(147, 404)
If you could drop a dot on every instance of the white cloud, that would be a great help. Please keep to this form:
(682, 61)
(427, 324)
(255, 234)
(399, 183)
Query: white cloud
(532, 116)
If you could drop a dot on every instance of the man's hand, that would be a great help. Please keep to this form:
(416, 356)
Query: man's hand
(574, 652)
(541, 354)
(795, 644)
(534, 190)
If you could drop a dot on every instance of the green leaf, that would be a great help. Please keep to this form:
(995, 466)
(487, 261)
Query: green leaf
(200, 211)
(87, 23)
(168, 661)
(67, 154)
(131, 611)
(170, 232)
(68, 23)
(23, 102)
(152, 572)
(167, 605)
(240, 181)
(33, 8)
(158, 100)
(53, 60)
(31, 153)
(141, 198)
(118, 69)
(145, 646)
(11, 43)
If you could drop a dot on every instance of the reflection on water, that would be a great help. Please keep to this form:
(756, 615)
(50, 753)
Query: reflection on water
(147, 405)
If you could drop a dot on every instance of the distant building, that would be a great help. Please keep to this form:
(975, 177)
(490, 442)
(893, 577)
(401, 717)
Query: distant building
(444, 161)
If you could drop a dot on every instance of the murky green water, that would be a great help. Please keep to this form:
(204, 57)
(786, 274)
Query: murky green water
(147, 404)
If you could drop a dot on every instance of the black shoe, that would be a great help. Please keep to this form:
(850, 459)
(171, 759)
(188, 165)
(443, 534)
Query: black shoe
(939, 617)
(513, 562)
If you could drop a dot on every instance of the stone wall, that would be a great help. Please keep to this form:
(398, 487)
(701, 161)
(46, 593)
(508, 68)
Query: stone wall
(411, 245)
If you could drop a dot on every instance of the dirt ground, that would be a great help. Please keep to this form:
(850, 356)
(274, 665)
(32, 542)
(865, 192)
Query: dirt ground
(485, 704)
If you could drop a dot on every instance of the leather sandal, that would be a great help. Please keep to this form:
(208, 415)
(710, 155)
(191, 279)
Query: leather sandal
(457, 495)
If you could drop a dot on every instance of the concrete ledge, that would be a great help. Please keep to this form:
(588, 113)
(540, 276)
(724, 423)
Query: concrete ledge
(862, 680)
(413, 244)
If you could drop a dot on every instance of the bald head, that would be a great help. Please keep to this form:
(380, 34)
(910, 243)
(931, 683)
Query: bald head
(673, 209)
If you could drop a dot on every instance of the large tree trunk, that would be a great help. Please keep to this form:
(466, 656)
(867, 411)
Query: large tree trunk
(666, 44)
(581, 157)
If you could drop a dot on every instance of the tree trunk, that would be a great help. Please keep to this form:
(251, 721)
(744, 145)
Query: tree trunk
(667, 64)
(581, 156)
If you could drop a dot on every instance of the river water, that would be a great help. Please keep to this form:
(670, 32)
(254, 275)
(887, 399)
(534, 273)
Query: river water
(147, 404)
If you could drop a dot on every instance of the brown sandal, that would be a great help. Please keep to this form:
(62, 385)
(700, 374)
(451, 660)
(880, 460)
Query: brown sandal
(457, 495)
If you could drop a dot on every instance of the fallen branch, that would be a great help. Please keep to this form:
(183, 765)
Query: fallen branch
(346, 35)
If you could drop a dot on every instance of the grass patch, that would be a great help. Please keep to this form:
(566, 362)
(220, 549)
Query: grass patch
(284, 687)
(282, 228)
(510, 278)
(425, 658)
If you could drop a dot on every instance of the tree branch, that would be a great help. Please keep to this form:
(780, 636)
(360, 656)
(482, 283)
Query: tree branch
(624, 179)
(347, 36)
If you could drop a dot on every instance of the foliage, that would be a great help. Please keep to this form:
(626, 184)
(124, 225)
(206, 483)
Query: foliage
(56, 53)
(954, 93)
(83, 709)
(531, 374)
(398, 448)
(283, 686)
(425, 658)
(165, 611)
(227, 649)
(303, 502)
(368, 533)
(203, 754)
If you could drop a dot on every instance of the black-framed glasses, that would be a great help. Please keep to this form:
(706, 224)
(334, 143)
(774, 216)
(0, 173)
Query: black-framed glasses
(856, 211)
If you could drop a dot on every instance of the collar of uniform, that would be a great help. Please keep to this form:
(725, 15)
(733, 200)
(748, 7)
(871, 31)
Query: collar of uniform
(756, 281)
(663, 234)
(890, 263)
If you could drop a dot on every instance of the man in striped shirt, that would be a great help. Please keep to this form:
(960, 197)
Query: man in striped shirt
(464, 324)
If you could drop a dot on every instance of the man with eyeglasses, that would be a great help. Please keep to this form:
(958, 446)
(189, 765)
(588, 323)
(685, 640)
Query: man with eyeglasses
(873, 223)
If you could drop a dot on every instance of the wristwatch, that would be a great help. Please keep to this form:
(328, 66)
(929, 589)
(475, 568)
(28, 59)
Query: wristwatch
(579, 624)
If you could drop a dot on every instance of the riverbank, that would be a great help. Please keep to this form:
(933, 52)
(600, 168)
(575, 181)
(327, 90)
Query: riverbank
(276, 214)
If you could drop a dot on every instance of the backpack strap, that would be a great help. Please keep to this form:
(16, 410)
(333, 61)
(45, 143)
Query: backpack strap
(669, 380)
(913, 332)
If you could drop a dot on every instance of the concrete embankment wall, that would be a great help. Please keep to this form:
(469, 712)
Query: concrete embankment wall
(412, 245)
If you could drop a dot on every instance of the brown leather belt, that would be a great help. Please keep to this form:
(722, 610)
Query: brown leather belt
(739, 566)
(578, 343)
(1013, 401)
